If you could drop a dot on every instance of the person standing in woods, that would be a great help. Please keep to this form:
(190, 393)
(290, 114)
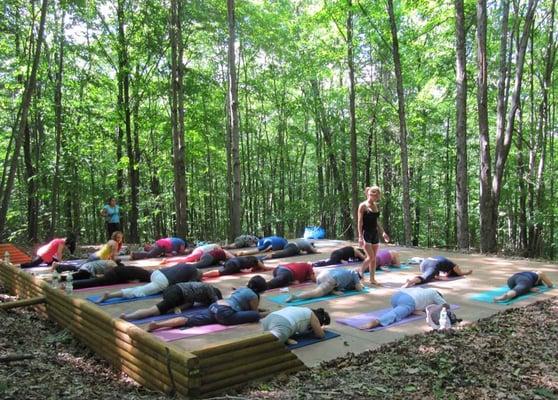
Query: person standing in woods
(368, 230)
(111, 213)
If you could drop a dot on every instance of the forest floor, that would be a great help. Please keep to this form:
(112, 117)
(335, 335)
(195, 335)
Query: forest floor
(511, 355)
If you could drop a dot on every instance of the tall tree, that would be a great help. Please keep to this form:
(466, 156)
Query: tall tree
(232, 115)
(402, 126)
(22, 122)
(462, 190)
(177, 119)
(352, 116)
(487, 233)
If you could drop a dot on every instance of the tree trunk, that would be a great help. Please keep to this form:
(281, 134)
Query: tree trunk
(461, 178)
(503, 142)
(352, 117)
(487, 231)
(177, 119)
(58, 121)
(232, 109)
(402, 127)
(22, 123)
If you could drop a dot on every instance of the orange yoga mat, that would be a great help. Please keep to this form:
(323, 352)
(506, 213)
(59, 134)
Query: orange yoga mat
(16, 255)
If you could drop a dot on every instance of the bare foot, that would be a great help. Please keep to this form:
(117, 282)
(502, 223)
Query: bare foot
(370, 325)
(290, 298)
(291, 341)
(124, 316)
(375, 283)
(406, 284)
(103, 297)
(152, 326)
(500, 298)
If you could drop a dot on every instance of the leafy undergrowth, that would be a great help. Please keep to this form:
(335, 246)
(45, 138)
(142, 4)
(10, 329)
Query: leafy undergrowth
(60, 367)
(511, 355)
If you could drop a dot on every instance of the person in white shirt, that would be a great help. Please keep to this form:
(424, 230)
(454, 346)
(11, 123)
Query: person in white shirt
(292, 320)
(405, 302)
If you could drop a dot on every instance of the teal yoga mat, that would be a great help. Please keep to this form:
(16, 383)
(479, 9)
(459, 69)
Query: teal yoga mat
(280, 299)
(487, 297)
(402, 267)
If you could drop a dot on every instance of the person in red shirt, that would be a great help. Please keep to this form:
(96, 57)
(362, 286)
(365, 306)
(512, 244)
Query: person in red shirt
(291, 273)
(52, 251)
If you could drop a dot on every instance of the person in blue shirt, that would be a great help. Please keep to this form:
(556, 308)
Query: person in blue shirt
(334, 281)
(269, 243)
(240, 308)
(111, 213)
(524, 282)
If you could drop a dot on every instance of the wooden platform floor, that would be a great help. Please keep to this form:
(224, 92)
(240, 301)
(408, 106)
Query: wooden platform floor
(489, 272)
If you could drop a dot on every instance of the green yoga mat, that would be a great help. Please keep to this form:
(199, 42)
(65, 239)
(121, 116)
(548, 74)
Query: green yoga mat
(487, 297)
(280, 299)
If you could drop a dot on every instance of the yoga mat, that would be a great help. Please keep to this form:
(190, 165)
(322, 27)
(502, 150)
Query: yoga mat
(280, 299)
(357, 320)
(352, 263)
(403, 267)
(75, 263)
(118, 300)
(170, 335)
(486, 297)
(298, 285)
(186, 313)
(309, 338)
(115, 286)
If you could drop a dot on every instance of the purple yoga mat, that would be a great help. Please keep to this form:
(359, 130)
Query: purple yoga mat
(360, 319)
(170, 335)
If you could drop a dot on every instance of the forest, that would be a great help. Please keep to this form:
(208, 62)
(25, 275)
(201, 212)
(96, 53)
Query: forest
(207, 119)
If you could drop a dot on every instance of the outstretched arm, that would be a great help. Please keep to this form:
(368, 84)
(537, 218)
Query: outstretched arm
(318, 291)
(545, 279)
(461, 272)
(316, 327)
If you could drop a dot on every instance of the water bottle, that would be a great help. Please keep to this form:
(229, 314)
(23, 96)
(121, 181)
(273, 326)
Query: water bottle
(69, 284)
(7, 257)
(55, 279)
(444, 323)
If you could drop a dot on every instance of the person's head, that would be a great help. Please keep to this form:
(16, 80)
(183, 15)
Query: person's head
(359, 273)
(70, 242)
(322, 315)
(218, 293)
(147, 246)
(257, 284)
(112, 201)
(373, 193)
(117, 236)
(395, 259)
(260, 265)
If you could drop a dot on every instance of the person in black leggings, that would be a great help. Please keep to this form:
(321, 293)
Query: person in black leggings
(115, 276)
(439, 268)
(524, 282)
(294, 248)
(235, 265)
(342, 255)
(294, 273)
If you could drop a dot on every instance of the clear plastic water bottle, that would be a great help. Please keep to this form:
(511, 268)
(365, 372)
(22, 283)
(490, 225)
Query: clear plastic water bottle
(69, 284)
(444, 323)
(55, 279)
(7, 257)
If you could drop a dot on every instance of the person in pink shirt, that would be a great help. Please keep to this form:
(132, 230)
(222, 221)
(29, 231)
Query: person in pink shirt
(291, 273)
(164, 246)
(52, 251)
(214, 250)
(386, 258)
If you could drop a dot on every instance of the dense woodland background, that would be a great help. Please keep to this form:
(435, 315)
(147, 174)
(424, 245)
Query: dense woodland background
(210, 118)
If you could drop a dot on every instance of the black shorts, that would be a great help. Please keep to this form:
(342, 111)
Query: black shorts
(372, 237)
(172, 297)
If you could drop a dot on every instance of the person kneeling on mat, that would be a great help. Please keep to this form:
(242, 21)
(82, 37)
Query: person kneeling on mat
(289, 321)
(294, 248)
(291, 273)
(183, 295)
(522, 283)
(236, 265)
(404, 302)
(439, 268)
(343, 255)
(333, 281)
(162, 247)
(52, 251)
(240, 308)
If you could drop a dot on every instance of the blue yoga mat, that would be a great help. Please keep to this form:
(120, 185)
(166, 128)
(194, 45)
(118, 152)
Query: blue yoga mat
(487, 297)
(118, 300)
(403, 267)
(280, 299)
(186, 313)
(309, 338)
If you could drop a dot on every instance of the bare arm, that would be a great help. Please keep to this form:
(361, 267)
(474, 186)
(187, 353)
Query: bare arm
(359, 225)
(545, 279)
(461, 272)
(169, 323)
(316, 327)
(59, 251)
(318, 291)
(228, 254)
(254, 304)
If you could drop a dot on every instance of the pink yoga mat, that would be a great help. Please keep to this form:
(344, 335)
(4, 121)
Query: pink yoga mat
(170, 335)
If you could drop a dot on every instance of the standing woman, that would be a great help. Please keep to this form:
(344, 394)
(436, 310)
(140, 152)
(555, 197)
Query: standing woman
(111, 213)
(368, 230)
